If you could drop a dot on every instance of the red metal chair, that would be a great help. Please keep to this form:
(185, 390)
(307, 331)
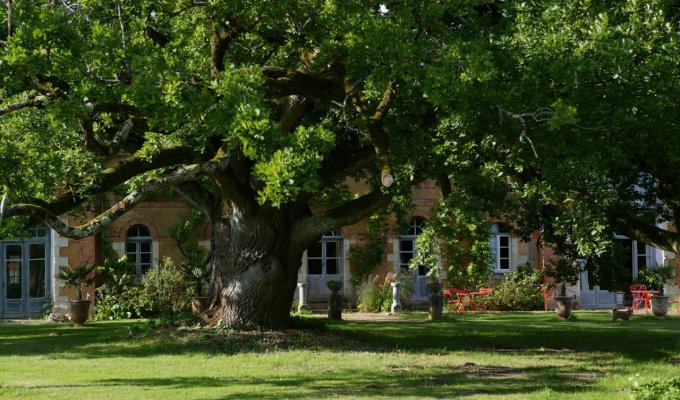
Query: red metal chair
(640, 297)
(454, 301)
(548, 294)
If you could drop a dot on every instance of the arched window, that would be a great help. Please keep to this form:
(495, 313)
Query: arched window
(138, 248)
(407, 251)
(407, 245)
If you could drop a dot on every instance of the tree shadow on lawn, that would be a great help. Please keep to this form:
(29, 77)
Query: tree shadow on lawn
(453, 381)
(644, 338)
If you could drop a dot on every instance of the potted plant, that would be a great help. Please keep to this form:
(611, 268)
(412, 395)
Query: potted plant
(78, 277)
(655, 279)
(565, 272)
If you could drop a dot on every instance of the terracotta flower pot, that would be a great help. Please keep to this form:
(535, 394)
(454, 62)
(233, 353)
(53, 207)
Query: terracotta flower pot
(80, 311)
(334, 286)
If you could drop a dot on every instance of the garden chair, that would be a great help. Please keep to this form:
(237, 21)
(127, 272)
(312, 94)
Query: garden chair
(548, 294)
(640, 297)
(454, 301)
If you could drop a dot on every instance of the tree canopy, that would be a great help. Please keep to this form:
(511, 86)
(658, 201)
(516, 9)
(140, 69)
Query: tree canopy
(559, 115)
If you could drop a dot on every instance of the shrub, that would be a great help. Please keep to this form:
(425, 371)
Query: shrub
(657, 390)
(376, 296)
(116, 295)
(519, 291)
(164, 291)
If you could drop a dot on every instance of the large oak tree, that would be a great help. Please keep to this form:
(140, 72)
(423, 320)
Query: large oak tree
(255, 111)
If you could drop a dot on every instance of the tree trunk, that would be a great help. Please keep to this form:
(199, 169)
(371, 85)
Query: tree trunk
(256, 266)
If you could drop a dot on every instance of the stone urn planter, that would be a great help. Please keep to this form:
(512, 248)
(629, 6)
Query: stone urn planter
(436, 300)
(334, 300)
(80, 311)
(563, 306)
(199, 304)
(660, 305)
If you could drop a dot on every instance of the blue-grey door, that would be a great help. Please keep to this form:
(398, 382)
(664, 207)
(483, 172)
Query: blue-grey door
(24, 267)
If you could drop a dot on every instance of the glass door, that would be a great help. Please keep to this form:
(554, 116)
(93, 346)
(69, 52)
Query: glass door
(14, 275)
(324, 262)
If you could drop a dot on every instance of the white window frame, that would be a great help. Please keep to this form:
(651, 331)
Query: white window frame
(137, 240)
(495, 247)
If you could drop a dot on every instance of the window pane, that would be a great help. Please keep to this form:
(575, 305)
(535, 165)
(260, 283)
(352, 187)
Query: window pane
(315, 250)
(332, 249)
(504, 264)
(406, 245)
(37, 251)
(642, 262)
(504, 240)
(314, 266)
(641, 248)
(422, 270)
(505, 252)
(405, 258)
(37, 278)
(130, 248)
(145, 247)
(332, 266)
(13, 279)
(145, 258)
(145, 268)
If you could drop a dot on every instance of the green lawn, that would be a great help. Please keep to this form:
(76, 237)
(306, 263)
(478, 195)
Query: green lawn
(496, 355)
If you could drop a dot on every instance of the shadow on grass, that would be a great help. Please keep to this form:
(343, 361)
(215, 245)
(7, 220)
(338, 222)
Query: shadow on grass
(452, 382)
(644, 338)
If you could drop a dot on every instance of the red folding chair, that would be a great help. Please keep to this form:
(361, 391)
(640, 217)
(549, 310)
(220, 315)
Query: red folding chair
(640, 297)
(454, 301)
(548, 294)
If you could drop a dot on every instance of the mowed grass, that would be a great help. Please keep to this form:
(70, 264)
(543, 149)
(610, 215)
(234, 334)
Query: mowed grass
(494, 355)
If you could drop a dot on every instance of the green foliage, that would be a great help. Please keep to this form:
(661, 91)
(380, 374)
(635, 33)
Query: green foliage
(365, 257)
(116, 293)
(657, 389)
(565, 272)
(197, 268)
(164, 290)
(77, 277)
(519, 291)
(656, 277)
(375, 295)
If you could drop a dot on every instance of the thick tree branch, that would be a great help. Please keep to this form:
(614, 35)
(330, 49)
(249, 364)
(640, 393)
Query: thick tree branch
(35, 101)
(220, 40)
(282, 82)
(116, 175)
(310, 229)
(646, 232)
(91, 227)
(199, 197)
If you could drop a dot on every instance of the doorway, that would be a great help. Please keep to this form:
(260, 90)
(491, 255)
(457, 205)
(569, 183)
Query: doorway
(24, 286)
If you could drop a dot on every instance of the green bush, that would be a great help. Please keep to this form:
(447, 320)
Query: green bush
(668, 389)
(519, 291)
(375, 295)
(164, 291)
(116, 294)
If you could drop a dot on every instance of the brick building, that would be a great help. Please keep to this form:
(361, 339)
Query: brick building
(29, 283)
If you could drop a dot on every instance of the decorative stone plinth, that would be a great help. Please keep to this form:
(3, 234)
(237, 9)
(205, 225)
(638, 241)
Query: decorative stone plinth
(334, 300)
(396, 297)
(436, 301)
(302, 297)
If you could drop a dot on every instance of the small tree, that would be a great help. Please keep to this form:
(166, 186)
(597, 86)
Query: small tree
(77, 277)
(565, 272)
